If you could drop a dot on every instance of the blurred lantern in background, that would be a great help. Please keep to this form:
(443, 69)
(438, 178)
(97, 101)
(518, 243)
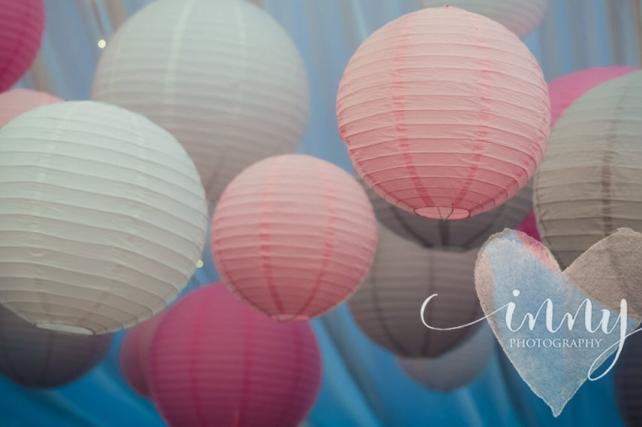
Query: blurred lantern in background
(222, 76)
(18, 101)
(217, 362)
(22, 25)
(456, 368)
(134, 354)
(519, 16)
(387, 305)
(34, 357)
(590, 182)
(102, 217)
(452, 235)
(529, 226)
(628, 381)
(293, 236)
(445, 113)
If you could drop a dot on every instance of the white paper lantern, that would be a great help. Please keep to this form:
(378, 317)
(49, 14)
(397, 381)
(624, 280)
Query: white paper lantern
(222, 76)
(519, 16)
(102, 217)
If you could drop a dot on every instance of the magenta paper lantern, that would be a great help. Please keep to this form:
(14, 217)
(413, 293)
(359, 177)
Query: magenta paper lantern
(529, 226)
(22, 23)
(445, 113)
(18, 101)
(134, 354)
(214, 361)
(293, 236)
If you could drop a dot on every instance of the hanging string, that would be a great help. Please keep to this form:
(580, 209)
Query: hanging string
(102, 40)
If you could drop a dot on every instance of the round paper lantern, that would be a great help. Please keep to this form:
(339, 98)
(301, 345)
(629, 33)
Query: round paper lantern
(22, 24)
(18, 101)
(529, 226)
(222, 76)
(214, 361)
(457, 368)
(293, 236)
(34, 357)
(590, 182)
(519, 16)
(102, 217)
(445, 113)
(387, 305)
(134, 354)
(628, 381)
(464, 234)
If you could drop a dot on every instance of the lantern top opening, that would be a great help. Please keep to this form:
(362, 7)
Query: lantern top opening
(443, 213)
(69, 329)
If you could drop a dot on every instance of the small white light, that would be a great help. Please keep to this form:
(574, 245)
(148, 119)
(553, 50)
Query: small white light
(102, 43)
(199, 263)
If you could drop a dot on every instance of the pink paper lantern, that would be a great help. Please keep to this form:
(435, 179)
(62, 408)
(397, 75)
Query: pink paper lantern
(134, 354)
(18, 101)
(293, 236)
(445, 113)
(216, 362)
(566, 89)
(529, 226)
(22, 24)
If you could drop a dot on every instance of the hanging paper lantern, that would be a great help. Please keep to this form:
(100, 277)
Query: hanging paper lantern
(445, 113)
(34, 357)
(387, 305)
(22, 24)
(222, 76)
(464, 234)
(18, 101)
(216, 362)
(293, 236)
(519, 16)
(628, 381)
(134, 354)
(456, 368)
(102, 217)
(590, 182)
(529, 226)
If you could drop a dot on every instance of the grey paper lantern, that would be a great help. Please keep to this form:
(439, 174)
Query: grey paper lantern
(40, 358)
(387, 305)
(463, 234)
(590, 182)
(454, 369)
(628, 381)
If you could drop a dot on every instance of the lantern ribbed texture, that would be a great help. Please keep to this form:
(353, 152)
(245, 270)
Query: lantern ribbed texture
(18, 101)
(519, 16)
(464, 234)
(222, 76)
(216, 362)
(628, 381)
(293, 236)
(134, 354)
(34, 357)
(455, 369)
(445, 113)
(22, 24)
(590, 182)
(102, 217)
(387, 305)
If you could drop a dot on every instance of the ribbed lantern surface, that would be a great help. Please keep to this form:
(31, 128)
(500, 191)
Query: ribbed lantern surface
(18, 101)
(222, 76)
(628, 382)
(102, 217)
(217, 362)
(134, 354)
(34, 357)
(456, 368)
(590, 182)
(387, 305)
(293, 236)
(22, 24)
(519, 16)
(445, 113)
(452, 235)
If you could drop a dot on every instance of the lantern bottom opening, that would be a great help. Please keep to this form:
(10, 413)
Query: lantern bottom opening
(70, 329)
(439, 212)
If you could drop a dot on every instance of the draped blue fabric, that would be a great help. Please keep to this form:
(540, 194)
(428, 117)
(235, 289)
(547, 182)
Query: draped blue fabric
(362, 385)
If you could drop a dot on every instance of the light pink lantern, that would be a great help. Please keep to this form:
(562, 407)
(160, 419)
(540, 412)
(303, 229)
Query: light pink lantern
(445, 113)
(22, 24)
(293, 236)
(214, 361)
(134, 354)
(18, 101)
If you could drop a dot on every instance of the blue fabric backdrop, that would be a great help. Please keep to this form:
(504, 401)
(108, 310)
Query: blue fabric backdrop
(362, 385)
